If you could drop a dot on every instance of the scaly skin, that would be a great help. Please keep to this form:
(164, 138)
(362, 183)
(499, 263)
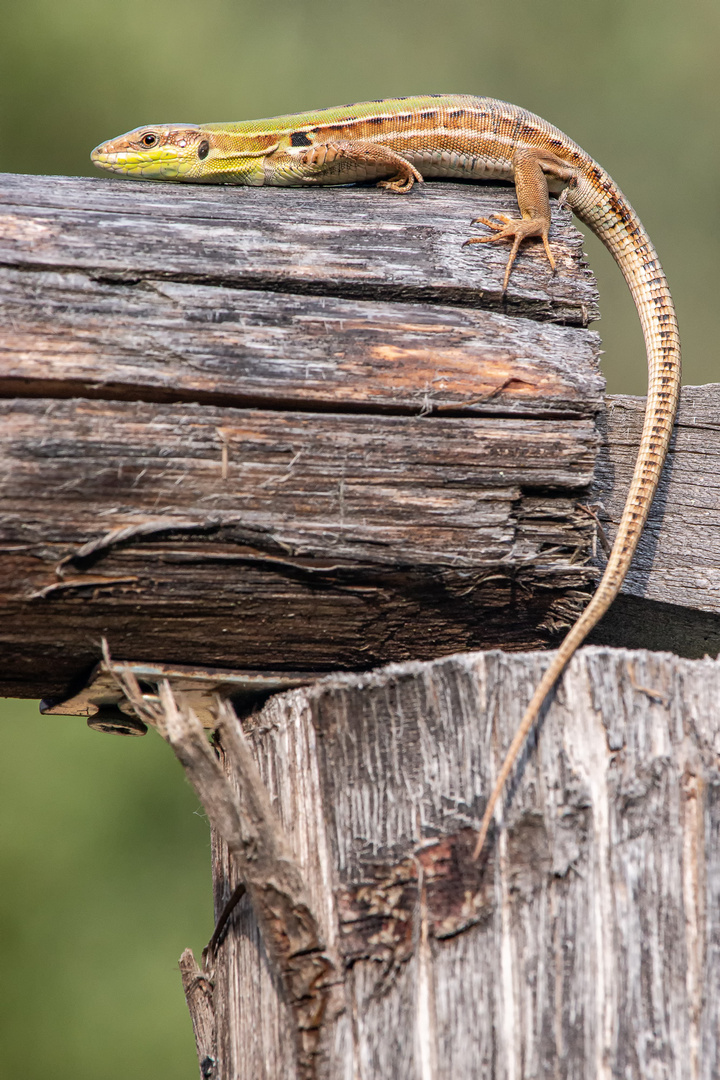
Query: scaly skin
(400, 141)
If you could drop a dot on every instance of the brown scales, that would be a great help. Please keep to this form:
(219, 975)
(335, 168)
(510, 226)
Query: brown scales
(397, 143)
(539, 151)
(591, 193)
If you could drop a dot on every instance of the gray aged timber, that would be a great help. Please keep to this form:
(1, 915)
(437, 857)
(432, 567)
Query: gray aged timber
(354, 242)
(671, 597)
(262, 428)
(255, 428)
(302, 430)
(587, 944)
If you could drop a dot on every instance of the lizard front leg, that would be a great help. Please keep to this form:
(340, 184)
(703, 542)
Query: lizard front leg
(358, 160)
(531, 166)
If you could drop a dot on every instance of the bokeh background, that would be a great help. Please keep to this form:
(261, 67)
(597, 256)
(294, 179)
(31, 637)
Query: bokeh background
(104, 853)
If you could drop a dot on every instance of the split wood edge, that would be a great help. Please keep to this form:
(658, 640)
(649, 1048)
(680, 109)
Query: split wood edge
(245, 820)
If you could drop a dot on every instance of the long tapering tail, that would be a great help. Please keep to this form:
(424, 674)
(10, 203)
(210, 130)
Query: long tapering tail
(615, 222)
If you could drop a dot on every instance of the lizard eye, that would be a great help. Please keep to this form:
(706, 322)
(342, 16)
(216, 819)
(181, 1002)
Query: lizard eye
(149, 139)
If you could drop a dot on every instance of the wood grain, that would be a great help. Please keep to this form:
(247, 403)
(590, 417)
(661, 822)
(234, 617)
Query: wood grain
(387, 537)
(360, 242)
(67, 334)
(678, 560)
(284, 428)
(586, 944)
(237, 441)
(302, 430)
(671, 597)
(285, 539)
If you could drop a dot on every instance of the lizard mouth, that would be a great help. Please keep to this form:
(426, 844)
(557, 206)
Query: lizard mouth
(161, 163)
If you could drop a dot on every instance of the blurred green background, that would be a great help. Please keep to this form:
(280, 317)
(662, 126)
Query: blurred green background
(104, 857)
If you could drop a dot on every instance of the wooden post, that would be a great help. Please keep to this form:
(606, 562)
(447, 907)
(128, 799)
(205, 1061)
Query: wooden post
(584, 943)
(259, 436)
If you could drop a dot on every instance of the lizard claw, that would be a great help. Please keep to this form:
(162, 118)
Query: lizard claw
(516, 230)
(502, 221)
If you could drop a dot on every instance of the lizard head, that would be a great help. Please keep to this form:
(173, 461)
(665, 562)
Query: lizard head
(156, 152)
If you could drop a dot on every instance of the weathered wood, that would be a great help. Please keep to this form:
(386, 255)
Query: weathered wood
(238, 806)
(678, 561)
(249, 429)
(396, 544)
(586, 944)
(281, 450)
(67, 334)
(671, 597)
(360, 242)
(350, 487)
(264, 479)
(198, 991)
(280, 539)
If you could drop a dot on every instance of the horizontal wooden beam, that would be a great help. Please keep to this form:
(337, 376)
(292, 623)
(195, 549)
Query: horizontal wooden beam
(359, 242)
(214, 536)
(289, 429)
(68, 334)
(284, 429)
(342, 540)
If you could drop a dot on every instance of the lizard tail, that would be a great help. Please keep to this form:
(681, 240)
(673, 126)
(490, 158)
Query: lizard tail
(601, 205)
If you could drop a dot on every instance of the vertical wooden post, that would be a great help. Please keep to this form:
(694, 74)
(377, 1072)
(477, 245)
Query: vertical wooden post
(586, 942)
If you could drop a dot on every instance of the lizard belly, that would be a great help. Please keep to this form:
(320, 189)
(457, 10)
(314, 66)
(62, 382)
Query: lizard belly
(457, 164)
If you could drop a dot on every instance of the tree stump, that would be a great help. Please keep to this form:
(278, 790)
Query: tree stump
(584, 943)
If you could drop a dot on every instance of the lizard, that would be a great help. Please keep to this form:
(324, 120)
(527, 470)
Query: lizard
(398, 142)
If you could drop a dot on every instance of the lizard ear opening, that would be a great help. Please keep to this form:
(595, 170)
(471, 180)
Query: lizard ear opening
(203, 149)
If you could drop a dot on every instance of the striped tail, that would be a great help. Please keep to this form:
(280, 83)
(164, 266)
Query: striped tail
(600, 205)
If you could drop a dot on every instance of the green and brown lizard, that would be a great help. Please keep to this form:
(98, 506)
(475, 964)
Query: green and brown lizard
(398, 142)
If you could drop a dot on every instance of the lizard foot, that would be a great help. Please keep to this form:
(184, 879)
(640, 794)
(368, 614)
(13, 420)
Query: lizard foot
(516, 230)
(401, 182)
(353, 161)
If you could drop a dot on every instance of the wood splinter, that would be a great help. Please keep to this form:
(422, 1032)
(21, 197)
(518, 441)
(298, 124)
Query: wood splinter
(263, 862)
(198, 989)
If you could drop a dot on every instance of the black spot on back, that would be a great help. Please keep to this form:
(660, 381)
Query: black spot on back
(300, 138)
